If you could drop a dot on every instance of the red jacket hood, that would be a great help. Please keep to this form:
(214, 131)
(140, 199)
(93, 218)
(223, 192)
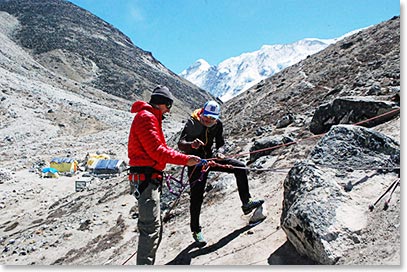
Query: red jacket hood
(141, 105)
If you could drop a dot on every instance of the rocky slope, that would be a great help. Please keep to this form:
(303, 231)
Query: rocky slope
(75, 44)
(367, 63)
(364, 66)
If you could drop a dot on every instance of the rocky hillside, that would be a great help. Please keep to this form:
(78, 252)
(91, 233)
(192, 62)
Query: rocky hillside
(350, 82)
(75, 44)
(364, 64)
(310, 204)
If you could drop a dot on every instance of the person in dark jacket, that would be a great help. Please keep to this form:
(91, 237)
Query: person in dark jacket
(200, 133)
(148, 155)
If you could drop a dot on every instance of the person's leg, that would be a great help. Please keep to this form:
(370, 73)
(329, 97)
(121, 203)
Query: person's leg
(149, 225)
(240, 175)
(197, 188)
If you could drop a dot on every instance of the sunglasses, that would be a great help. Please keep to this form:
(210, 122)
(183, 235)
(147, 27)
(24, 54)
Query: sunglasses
(168, 105)
(210, 117)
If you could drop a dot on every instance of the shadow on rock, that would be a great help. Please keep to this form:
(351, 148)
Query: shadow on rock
(185, 256)
(288, 255)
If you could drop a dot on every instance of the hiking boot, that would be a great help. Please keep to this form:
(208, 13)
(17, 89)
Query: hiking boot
(251, 205)
(199, 239)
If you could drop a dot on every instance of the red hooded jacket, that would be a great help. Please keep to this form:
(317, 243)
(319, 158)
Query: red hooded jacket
(147, 146)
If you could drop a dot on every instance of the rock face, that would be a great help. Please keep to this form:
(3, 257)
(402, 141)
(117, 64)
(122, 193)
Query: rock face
(325, 207)
(366, 61)
(75, 44)
(356, 147)
(268, 144)
(351, 110)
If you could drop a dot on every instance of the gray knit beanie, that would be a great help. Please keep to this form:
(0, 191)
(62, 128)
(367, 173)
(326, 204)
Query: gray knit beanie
(161, 95)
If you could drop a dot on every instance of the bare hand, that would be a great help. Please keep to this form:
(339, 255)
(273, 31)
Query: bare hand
(196, 144)
(193, 160)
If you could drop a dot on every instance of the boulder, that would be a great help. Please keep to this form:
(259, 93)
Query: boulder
(268, 143)
(321, 218)
(351, 110)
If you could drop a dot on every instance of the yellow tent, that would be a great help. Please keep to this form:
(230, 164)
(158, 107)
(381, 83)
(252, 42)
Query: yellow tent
(92, 159)
(64, 165)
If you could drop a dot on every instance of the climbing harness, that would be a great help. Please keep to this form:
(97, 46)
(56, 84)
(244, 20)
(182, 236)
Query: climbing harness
(140, 177)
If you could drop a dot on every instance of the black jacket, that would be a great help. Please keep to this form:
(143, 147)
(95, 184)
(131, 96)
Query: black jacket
(193, 129)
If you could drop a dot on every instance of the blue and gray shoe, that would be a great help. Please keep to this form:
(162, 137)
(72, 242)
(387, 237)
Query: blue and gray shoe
(199, 239)
(251, 205)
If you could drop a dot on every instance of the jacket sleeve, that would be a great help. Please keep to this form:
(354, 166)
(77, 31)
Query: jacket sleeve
(220, 140)
(149, 132)
(183, 144)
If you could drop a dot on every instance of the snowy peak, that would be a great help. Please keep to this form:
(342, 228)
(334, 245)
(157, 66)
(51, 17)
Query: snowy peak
(199, 65)
(235, 75)
(197, 72)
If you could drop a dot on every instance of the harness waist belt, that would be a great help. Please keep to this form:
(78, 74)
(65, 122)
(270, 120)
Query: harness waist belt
(142, 176)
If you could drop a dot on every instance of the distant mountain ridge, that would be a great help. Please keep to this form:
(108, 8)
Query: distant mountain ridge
(66, 39)
(235, 75)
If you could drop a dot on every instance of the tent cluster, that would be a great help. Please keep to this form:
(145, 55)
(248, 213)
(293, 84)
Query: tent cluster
(57, 166)
(96, 164)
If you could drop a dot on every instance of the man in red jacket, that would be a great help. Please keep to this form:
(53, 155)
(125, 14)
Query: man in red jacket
(148, 155)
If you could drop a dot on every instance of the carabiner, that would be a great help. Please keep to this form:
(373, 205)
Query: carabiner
(136, 191)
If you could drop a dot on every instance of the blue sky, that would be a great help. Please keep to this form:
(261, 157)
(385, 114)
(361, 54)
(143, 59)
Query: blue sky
(178, 32)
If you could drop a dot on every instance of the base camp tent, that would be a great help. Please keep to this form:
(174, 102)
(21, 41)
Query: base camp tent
(91, 158)
(109, 167)
(49, 172)
(64, 165)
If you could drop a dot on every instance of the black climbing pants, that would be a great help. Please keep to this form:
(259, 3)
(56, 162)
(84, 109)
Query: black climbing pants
(198, 182)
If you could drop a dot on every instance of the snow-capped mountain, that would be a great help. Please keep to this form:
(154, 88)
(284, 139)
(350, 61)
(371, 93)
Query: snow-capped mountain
(235, 75)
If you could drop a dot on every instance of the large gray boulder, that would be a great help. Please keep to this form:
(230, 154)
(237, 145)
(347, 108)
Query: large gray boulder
(265, 146)
(351, 110)
(323, 216)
